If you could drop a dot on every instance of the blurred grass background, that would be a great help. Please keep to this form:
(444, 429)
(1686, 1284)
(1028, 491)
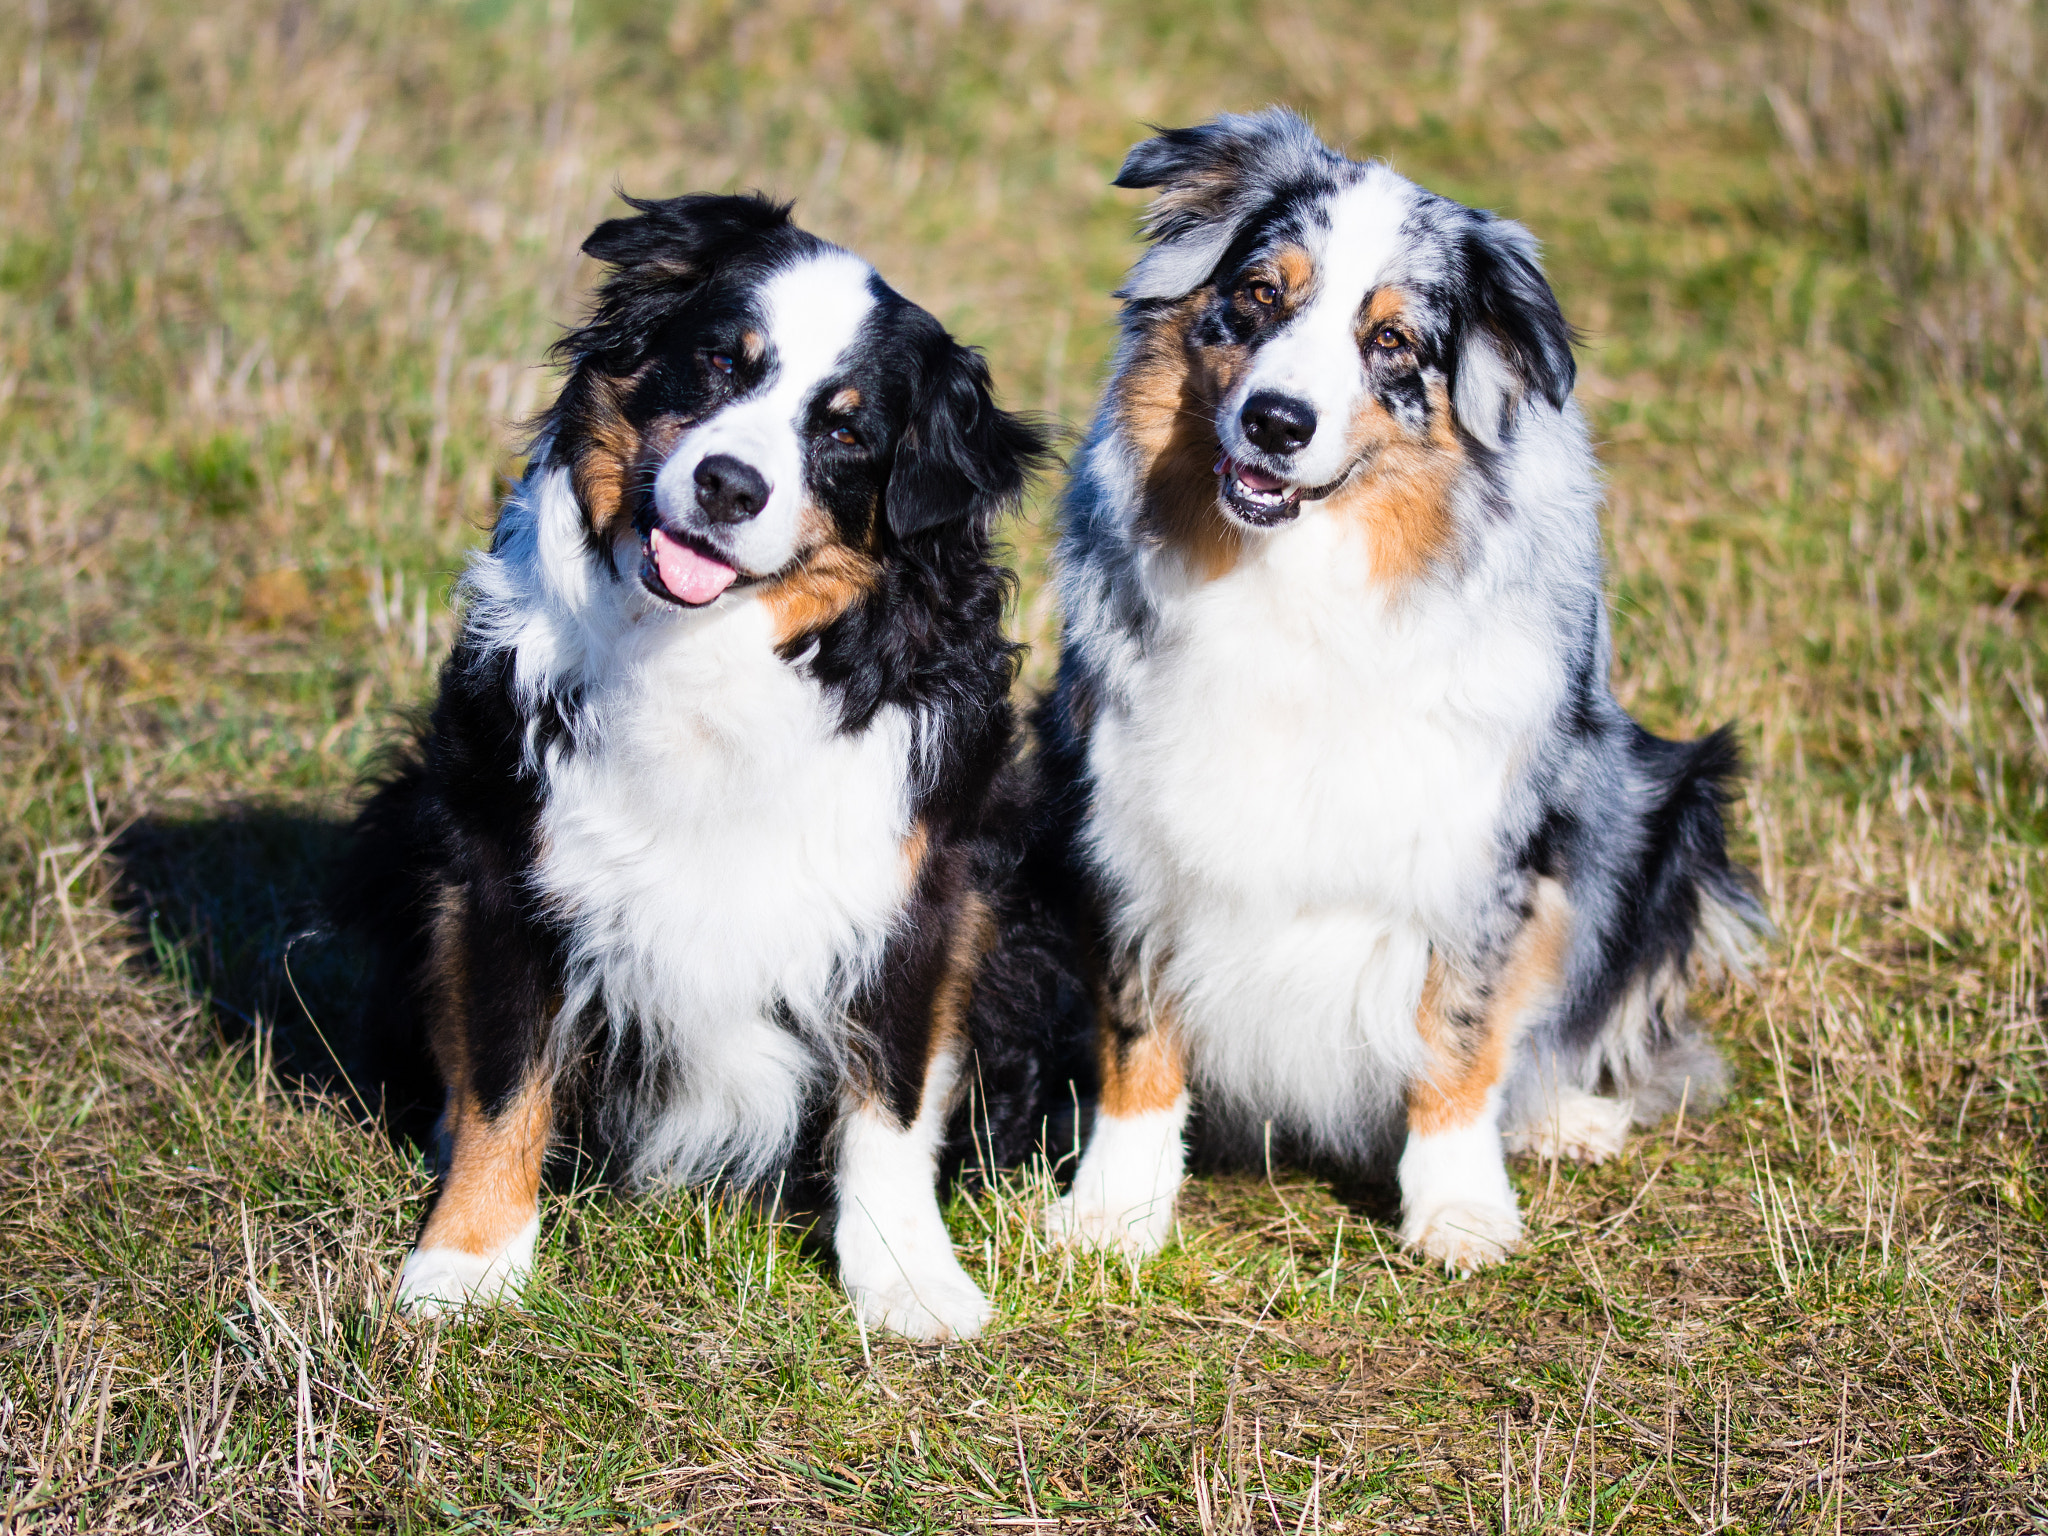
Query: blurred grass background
(275, 282)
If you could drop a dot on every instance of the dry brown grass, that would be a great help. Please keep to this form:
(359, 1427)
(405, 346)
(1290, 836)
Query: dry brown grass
(273, 281)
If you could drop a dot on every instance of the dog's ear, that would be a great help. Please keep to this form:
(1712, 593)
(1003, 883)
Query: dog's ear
(1212, 179)
(1513, 340)
(962, 456)
(669, 247)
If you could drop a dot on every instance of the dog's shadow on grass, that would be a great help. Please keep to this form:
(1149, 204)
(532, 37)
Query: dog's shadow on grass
(231, 906)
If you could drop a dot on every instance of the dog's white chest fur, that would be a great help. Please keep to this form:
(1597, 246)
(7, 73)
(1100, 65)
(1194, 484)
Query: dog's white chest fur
(730, 864)
(1299, 782)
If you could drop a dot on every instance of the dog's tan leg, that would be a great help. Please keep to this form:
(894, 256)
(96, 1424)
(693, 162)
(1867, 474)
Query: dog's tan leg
(1457, 1206)
(478, 1243)
(1124, 1191)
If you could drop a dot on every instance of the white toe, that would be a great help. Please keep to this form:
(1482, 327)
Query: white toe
(438, 1281)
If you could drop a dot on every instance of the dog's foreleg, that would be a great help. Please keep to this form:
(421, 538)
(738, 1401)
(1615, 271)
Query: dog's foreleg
(1124, 1191)
(477, 1246)
(1457, 1206)
(895, 1255)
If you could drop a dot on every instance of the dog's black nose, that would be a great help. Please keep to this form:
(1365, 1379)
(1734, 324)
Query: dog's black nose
(1277, 423)
(729, 491)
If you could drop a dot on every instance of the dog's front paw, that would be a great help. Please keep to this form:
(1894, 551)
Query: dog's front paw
(1463, 1236)
(934, 1307)
(1136, 1228)
(1575, 1126)
(438, 1282)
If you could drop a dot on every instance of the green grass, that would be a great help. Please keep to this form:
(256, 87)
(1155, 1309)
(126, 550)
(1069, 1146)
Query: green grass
(275, 281)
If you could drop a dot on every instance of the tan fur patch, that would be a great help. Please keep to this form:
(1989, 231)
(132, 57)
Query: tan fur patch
(1166, 403)
(492, 1187)
(974, 934)
(1295, 268)
(492, 1183)
(1139, 1046)
(1466, 1063)
(606, 457)
(1385, 307)
(915, 847)
(847, 399)
(828, 582)
(1402, 498)
(754, 346)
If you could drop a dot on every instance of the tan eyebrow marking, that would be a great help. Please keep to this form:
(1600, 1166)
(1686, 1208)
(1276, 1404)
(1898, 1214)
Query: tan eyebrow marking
(755, 345)
(846, 400)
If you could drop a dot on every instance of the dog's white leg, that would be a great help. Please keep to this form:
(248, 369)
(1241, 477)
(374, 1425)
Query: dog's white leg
(1457, 1206)
(477, 1248)
(1125, 1188)
(1130, 1174)
(895, 1255)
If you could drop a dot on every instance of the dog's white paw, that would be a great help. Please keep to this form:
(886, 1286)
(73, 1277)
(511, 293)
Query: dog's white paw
(1136, 1228)
(438, 1282)
(941, 1303)
(1575, 1126)
(1124, 1191)
(1463, 1235)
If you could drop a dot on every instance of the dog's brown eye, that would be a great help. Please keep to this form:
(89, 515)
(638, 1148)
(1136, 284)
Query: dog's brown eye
(1265, 295)
(1389, 339)
(845, 435)
(721, 362)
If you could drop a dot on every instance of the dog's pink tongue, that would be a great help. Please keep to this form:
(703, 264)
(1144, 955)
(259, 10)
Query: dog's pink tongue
(688, 575)
(1257, 480)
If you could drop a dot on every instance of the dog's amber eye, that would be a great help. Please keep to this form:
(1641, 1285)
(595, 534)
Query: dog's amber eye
(1389, 339)
(1265, 295)
(721, 362)
(845, 435)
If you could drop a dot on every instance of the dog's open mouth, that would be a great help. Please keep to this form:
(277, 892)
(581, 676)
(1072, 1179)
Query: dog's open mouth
(681, 573)
(1263, 500)
(1267, 501)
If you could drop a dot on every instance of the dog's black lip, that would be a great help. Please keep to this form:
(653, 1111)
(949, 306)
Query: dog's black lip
(650, 574)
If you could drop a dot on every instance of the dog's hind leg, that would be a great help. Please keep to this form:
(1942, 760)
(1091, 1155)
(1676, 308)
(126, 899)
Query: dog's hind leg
(1457, 1206)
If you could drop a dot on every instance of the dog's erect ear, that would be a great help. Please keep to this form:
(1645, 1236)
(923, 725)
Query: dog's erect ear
(961, 457)
(668, 247)
(1514, 341)
(1211, 180)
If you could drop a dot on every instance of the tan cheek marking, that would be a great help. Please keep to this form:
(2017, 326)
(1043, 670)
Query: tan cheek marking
(1402, 500)
(492, 1184)
(1166, 405)
(831, 580)
(847, 399)
(1465, 1064)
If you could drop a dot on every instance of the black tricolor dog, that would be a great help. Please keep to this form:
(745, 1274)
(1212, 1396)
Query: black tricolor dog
(1375, 859)
(710, 853)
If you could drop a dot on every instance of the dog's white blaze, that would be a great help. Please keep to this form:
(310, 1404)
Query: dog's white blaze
(813, 313)
(1316, 357)
(1123, 1192)
(895, 1254)
(716, 843)
(1299, 782)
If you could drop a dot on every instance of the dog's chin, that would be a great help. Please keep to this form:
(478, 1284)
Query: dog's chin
(681, 570)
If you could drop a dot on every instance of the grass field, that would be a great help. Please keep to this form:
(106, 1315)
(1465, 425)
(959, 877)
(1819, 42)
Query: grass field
(275, 279)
